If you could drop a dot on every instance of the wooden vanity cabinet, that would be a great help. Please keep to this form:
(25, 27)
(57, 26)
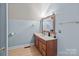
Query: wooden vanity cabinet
(46, 48)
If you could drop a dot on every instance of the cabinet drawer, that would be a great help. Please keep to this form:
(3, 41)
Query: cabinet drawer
(43, 52)
(44, 46)
(40, 46)
(43, 41)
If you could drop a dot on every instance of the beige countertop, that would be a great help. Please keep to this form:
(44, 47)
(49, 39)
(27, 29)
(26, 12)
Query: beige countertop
(45, 37)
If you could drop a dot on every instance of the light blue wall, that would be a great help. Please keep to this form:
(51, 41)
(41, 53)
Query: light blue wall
(23, 30)
(68, 39)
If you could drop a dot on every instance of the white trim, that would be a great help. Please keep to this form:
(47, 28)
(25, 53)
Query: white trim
(25, 45)
(6, 29)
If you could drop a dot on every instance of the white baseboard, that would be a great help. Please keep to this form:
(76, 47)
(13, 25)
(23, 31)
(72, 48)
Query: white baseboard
(25, 45)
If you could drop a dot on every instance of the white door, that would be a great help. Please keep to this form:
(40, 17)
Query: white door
(2, 29)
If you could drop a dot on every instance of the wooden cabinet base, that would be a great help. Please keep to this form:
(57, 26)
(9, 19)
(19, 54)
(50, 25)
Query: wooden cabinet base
(46, 48)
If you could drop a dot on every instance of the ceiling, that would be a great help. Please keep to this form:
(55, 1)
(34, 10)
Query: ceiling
(27, 11)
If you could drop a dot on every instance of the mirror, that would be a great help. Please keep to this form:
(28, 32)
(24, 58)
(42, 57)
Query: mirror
(48, 25)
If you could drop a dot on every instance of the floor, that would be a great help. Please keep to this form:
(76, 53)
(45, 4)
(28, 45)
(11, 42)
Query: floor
(30, 51)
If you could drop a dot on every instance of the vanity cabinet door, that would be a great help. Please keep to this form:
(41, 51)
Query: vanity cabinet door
(52, 48)
(36, 41)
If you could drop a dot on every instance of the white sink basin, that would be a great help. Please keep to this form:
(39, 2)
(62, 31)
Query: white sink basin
(49, 37)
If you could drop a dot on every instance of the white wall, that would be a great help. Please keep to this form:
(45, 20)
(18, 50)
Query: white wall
(68, 39)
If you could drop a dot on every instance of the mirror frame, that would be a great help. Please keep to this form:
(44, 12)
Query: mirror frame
(53, 16)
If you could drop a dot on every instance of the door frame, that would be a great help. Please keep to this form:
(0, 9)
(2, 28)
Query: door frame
(6, 29)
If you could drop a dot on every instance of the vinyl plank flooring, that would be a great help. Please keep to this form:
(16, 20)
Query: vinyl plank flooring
(30, 51)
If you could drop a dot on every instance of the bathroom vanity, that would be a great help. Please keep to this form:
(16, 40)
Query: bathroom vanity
(47, 45)
(45, 41)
